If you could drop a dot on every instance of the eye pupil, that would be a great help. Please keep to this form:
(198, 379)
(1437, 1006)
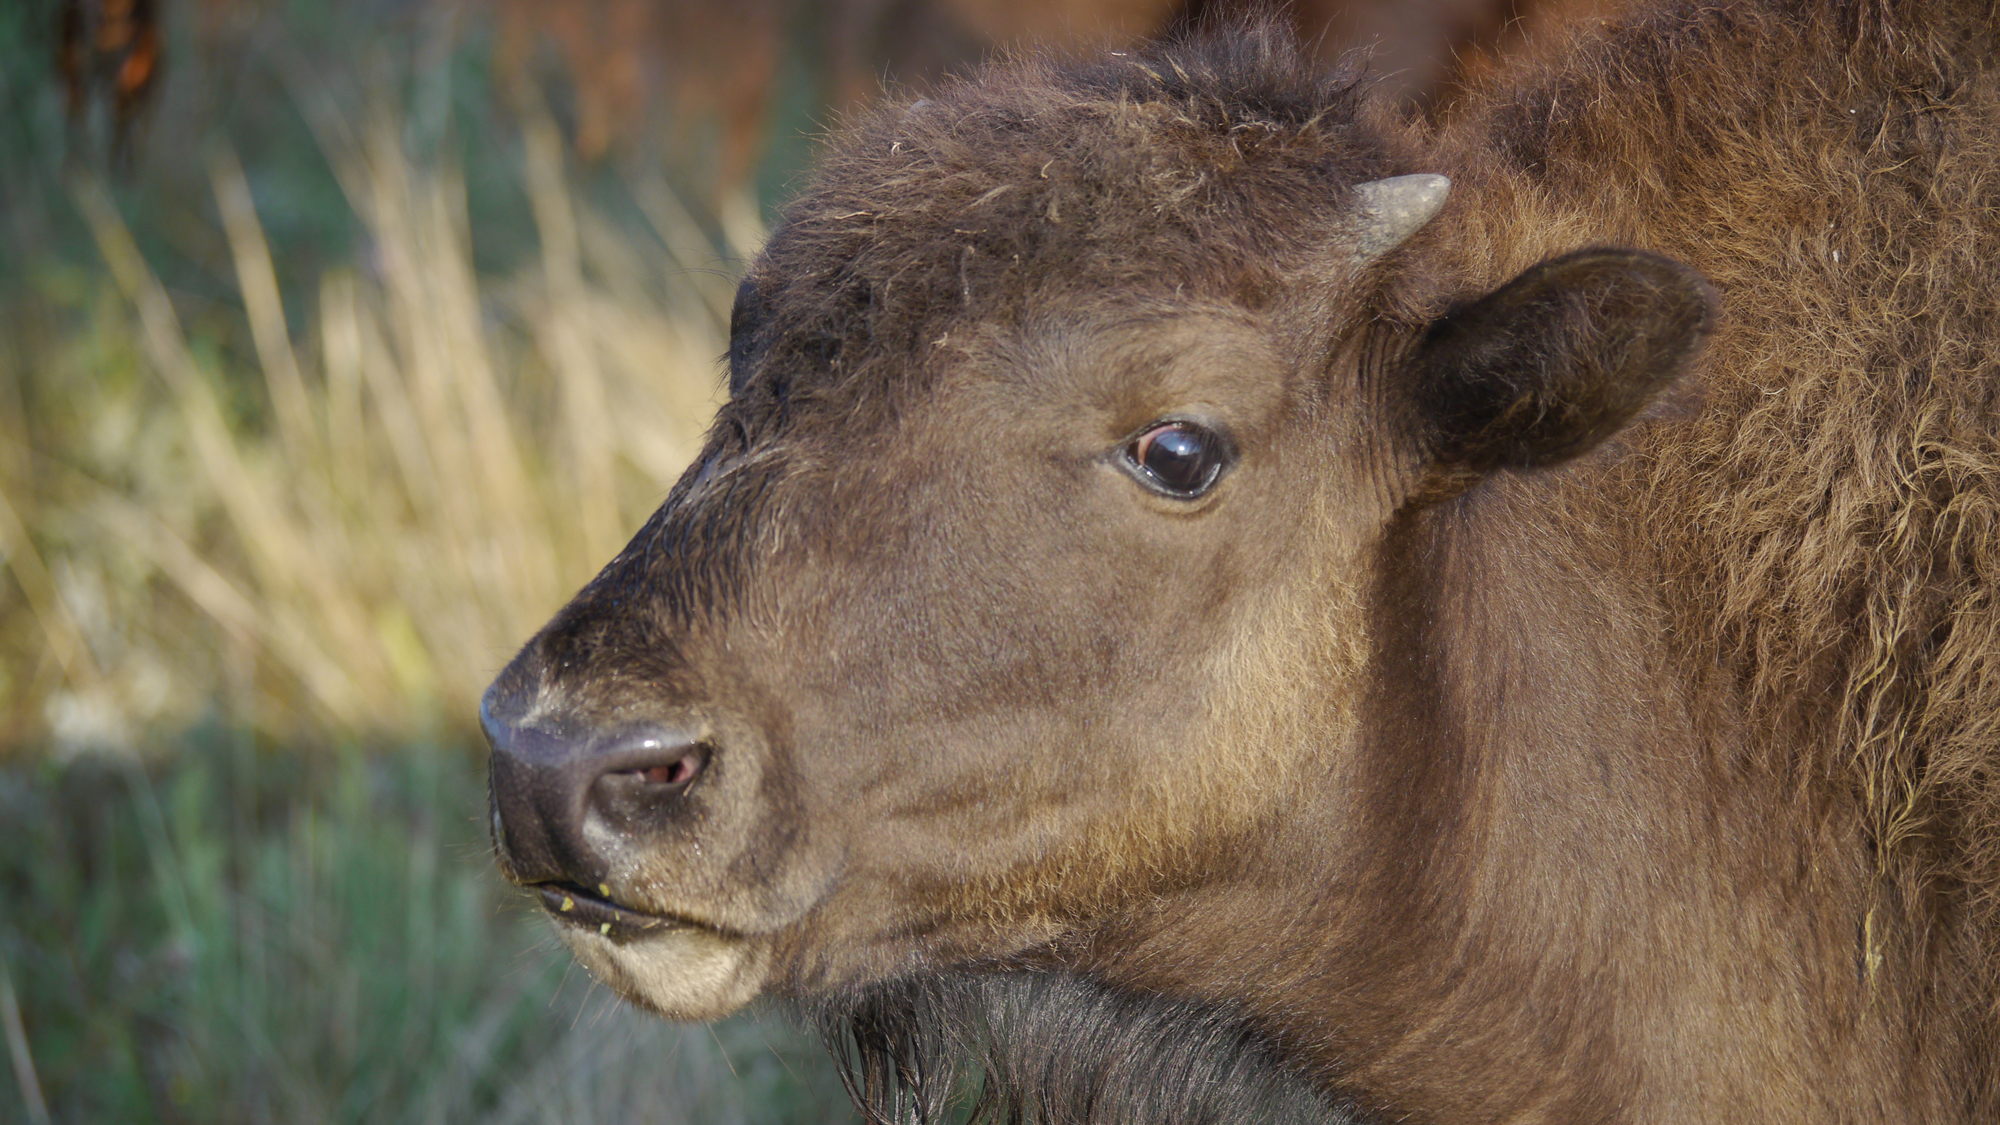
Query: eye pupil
(1178, 457)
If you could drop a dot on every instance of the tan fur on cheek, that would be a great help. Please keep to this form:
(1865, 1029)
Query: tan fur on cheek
(1260, 743)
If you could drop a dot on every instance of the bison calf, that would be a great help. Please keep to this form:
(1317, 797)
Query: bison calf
(1211, 599)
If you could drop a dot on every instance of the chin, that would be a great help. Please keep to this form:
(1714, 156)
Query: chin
(683, 974)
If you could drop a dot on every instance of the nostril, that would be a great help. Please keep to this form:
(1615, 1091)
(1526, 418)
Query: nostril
(646, 779)
(679, 772)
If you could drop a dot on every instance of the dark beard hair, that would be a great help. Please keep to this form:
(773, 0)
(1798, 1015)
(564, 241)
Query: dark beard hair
(1043, 1048)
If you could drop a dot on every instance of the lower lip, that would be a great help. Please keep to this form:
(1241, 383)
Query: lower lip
(572, 906)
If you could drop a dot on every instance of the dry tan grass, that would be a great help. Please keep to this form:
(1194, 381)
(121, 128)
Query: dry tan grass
(439, 460)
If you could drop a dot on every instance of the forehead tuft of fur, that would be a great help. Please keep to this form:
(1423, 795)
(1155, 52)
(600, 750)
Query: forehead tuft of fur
(1220, 167)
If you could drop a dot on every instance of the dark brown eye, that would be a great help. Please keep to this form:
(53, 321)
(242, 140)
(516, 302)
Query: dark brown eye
(1181, 459)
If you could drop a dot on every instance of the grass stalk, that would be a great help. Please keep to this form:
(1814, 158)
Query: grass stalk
(65, 641)
(567, 331)
(30, 1084)
(257, 280)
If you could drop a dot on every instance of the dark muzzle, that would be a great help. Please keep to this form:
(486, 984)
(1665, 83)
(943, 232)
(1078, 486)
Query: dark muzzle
(557, 787)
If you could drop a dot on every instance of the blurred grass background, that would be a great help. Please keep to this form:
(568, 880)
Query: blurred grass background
(319, 392)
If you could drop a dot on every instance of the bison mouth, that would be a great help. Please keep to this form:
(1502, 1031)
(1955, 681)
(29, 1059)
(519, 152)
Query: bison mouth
(571, 905)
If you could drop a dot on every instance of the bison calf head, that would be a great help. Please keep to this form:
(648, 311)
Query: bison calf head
(1020, 602)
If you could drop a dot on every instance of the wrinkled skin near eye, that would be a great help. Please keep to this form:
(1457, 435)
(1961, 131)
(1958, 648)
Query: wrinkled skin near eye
(1179, 458)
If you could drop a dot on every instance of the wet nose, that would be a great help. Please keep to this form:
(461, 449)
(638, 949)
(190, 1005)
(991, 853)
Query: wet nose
(558, 786)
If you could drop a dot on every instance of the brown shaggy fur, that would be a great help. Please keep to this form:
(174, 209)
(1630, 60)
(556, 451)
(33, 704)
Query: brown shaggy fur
(1829, 527)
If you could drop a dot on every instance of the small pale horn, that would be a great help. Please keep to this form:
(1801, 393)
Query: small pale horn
(1391, 210)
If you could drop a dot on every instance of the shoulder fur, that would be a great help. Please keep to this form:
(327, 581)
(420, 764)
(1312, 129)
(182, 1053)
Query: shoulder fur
(1829, 527)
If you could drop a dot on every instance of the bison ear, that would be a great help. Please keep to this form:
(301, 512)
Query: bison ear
(1555, 361)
